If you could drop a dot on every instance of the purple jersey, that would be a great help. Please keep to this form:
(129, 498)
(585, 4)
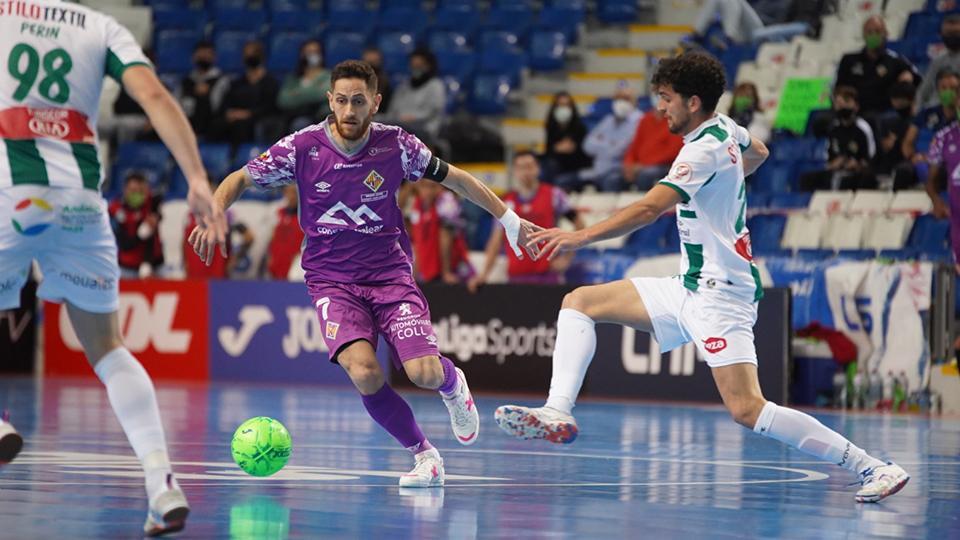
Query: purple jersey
(945, 152)
(348, 202)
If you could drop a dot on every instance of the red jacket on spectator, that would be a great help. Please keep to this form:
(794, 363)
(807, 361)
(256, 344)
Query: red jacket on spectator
(653, 144)
(132, 251)
(285, 244)
(426, 222)
(194, 266)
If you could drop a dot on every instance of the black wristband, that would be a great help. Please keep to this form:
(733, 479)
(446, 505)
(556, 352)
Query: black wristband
(437, 170)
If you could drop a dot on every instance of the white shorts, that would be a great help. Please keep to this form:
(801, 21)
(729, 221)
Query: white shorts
(720, 325)
(67, 231)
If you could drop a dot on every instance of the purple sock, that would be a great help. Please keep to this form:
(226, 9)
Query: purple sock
(389, 410)
(450, 379)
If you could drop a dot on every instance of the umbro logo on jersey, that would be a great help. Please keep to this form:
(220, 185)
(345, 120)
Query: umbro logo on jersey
(322, 187)
(339, 166)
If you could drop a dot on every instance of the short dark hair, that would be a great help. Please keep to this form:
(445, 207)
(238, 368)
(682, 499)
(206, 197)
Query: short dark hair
(354, 69)
(523, 153)
(847, 92)
(693, 74)
(945, 73)
(903, 90)
(135, 176)
(203, 44)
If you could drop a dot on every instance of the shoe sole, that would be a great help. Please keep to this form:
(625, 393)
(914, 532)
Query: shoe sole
(173, 521)
(10, 446)
(525, 426)
(883, 494)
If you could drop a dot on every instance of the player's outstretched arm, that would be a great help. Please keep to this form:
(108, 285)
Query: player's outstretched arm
(174, 130)
(639, 214)
(754, 156)
(517, 230)
(203, 239)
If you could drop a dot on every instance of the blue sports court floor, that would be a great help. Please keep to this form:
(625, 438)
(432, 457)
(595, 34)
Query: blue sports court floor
(637, 471)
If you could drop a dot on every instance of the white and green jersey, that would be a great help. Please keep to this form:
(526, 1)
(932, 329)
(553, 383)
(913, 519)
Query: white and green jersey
(715, 242)
(53, 57)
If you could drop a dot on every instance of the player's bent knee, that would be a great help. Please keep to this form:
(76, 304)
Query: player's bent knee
(577, 300)
(746, 411)
(425, 372)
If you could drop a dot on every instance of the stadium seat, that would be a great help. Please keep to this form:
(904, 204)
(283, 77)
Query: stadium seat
(509, 63)
(930, 236)
(246, 152)
(340, 46)
(344, 5)
(829, 202)
(229, 45)
(178, 18)
(887, 231)
(773, 178)
(562, 20)
(803, 231)
(459, 64)
(488, 94)
(844, 231)
(617, 11)
(216, 159)
(440, 41)
(790, 201)
(464, 19)
(516, 19)
(284, 50)
(856, 254)
(673, 238)
(899, 254)
(814, 254)
(766, 231)
(174, 49)
(757, 200)
(396, 48)
(921, 24)
(145, 155)
(916, 201)
(548, 50)
(869, 201)
(402, 4)
(241, 20)
(454, 94)
(402, 19)
(351, 20)
(295, 20)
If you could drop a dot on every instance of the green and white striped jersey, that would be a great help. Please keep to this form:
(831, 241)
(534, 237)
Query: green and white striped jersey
(53, 57)
(711, 219)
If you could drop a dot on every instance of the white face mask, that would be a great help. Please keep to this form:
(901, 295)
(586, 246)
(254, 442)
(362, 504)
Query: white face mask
(562, 114)
(622, 108)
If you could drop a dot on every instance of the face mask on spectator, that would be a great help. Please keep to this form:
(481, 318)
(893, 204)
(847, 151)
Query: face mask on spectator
(951, 41)
(742, 103)
(253, 61)
(134, 200)
(873, 41)
(905, 112)
(203, 64)
(562, 114)
(622, 108)
(313, 60)
(948, 97)
(846, 113)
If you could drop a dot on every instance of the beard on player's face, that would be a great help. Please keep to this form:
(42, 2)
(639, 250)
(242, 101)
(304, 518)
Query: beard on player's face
(352, 127)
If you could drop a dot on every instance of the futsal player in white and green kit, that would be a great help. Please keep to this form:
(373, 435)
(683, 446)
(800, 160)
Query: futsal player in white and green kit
(53, 59)
(712, 302)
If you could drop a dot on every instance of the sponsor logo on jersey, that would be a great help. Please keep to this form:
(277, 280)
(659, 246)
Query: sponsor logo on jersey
(322, 187)
(339, 166)
(744, 247)
(714, 345)
(378, 150)
(373, 181)
(405, 309)
(314, 153)
(680, 173)
(374, 197)
(87, 282)
(32, 216)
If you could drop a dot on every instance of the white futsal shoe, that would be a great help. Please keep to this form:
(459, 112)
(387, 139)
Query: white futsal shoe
(537, 423)
(463, 412)
(878, 483)
(168, 510)
(426, 473)
(10, 441)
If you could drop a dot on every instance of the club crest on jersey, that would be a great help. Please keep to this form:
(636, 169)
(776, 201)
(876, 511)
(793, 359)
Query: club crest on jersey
(373, 181)
(680, 172)
(314, 153)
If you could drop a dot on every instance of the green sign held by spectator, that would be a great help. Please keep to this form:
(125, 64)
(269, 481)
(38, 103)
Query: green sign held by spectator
(799, 97)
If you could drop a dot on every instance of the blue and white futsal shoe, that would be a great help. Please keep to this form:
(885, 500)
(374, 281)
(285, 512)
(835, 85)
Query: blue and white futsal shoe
(168, 510)
(878, 483)
(537, 423)
(10, 441)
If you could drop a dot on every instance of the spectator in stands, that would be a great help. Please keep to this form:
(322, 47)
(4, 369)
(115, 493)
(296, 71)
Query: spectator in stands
(545, 205)
(933, 119)
(742, 24)
(135, 219)
(374, 57)
(129, 122)
(564, 156)
(949, 59)
(303, 97)
(651, 151)
(250, 101)
(873, 70)
(287, 236)
(850, 149)
(437, 235)
(607, 143)
(944, 159)
(745, 110)
(892, 129)
(418, 103)
(201, 92)
(238, 246)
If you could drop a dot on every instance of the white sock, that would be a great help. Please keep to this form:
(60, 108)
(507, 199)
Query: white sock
(576, 343)
(808, 435)
(134, 401)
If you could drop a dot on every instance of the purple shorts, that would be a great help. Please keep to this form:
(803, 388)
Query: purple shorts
(396, 310)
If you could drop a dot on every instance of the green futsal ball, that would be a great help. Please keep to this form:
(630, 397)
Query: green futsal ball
(261, 446)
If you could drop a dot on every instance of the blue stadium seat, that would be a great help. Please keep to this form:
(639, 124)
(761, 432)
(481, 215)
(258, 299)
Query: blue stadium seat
(245, 20)
(464, 19)
(757, 200)
(229, 45)
(340, 46)
(924, 138)
(773, 178)
(790, 201)
(167, 4)
(733, 56)
(291, 5)
(411, 21)
(156, 179)
(597, 110)
(548, 49)
(284, 50)
(766, 230)
(488, 94)
(652, 239)
(857, 254)
(144, 155)
(499, 40)
(591, 266)
(396, 48)
(814, 254)
(293, 20)
(344, 5)
(921, 24)
(440, 41)
(401, 4)
(353, 21)
(178, 18)
(905, 254)
(818, 123)
(216, 159)
(459, 64)
(217, 6)
(516, 19)
(793, 149)
(174, 49)
(672, 243)
(246, 152)
(617, 11)
(509, 63)
(562, 20)
(580, 6)
(454, 94)
(930, 236)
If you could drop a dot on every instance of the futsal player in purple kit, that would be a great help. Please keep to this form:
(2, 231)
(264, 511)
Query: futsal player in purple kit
(357, 257)
(944, 155)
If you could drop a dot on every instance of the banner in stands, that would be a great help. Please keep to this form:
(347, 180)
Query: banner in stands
(163, 323)
(267, 331)
(799, 97)
(504, 335)
(18, 333)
